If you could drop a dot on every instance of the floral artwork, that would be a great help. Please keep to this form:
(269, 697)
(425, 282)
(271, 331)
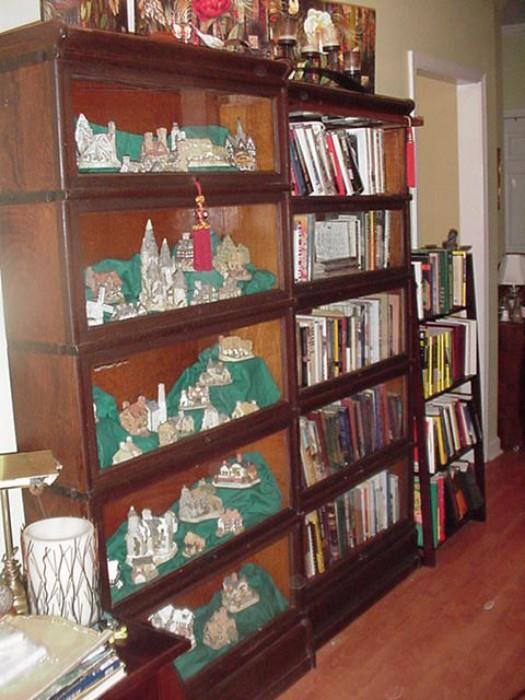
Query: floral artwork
(111, 15)
(343, 35)
(235, 24)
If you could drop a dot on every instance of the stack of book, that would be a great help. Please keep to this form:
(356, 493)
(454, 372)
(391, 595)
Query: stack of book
(347, 335)
(340, 243)
(448, 350)
(451, 426)
(440, 276)
(348, 430)
(91, 678)
(454, 495)
(353, 518)
(51, 658)
(335, 157)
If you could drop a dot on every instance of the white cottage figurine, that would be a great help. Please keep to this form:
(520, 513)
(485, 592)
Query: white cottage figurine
(178, 621)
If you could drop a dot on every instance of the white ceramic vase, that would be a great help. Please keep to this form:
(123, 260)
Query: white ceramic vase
(61, 564)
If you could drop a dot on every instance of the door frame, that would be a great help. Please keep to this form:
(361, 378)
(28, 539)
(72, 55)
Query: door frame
(473, 192)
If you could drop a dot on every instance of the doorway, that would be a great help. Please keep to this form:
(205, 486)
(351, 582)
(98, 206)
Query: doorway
(463, 92)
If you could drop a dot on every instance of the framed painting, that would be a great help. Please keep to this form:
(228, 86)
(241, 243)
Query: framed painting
(109, 15)
(342, 35)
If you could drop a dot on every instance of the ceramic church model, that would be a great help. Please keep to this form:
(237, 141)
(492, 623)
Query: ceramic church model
(149, 539)
(95, 151)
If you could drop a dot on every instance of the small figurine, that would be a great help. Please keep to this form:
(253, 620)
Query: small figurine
(178, 621)
(156, 411)
(155, 155)
(199, 503)
(174, 429)
(114, 574)
(180, 290)
(127, 450)
(110, 281)
(244, 408)
(216, 374)
(230, 522)
(231, 259)
(143, 570)
(230, 289)
(193, 545)
(194, 398)
(235, 349)
(244, 151)
(95, 310)
(127, 310)
(152, 536)
(134, 417)
(239, 474)
(212, 418)
(452, 240)
(156, 273)
(220, 630)
(184, 253)
(237, 594)
(95, 151)
(203, 293)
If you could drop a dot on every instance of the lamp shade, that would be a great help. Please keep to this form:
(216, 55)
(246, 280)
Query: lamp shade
(512, 269)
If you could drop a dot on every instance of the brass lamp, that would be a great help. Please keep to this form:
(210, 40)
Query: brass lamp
(32, 470)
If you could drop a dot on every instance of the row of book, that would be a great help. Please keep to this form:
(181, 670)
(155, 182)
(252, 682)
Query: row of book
(343, 432)
(454, 494)
(451, 425)
(354, 241)
(448, 351)
(440, 276)
(350, 520)
(336, 160)
(345, 336)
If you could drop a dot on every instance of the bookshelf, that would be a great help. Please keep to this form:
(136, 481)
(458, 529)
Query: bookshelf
(173, 374)
(354, 373)
(449, 486)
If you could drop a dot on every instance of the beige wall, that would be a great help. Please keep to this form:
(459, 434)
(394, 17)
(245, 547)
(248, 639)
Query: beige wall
(513, 66)
(466, 34)
(437, 146)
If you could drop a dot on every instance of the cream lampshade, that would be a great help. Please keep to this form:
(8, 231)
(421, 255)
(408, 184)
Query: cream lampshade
(512, 274)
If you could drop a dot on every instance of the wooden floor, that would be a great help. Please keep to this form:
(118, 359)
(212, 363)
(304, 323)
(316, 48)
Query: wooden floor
(455, 632)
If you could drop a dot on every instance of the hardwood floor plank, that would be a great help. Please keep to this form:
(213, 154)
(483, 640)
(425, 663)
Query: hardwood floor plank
(455, 632)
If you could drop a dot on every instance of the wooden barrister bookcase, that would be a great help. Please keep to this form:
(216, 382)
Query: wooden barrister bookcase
(70, 378)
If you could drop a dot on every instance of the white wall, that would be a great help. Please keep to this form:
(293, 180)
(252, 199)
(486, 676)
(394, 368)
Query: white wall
(12, 14)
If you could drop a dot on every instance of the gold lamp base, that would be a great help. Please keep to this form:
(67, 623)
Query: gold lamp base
(12, 578)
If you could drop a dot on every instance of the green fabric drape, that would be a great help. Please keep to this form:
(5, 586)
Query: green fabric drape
(251, 381)
(271, 603)
(128, 144)
(254, 504)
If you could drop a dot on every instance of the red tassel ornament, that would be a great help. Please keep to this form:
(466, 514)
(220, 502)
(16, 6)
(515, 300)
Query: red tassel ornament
(201, 234)
(411, 158)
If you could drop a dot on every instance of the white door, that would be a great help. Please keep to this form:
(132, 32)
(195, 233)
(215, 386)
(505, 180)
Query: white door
(514, 184)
